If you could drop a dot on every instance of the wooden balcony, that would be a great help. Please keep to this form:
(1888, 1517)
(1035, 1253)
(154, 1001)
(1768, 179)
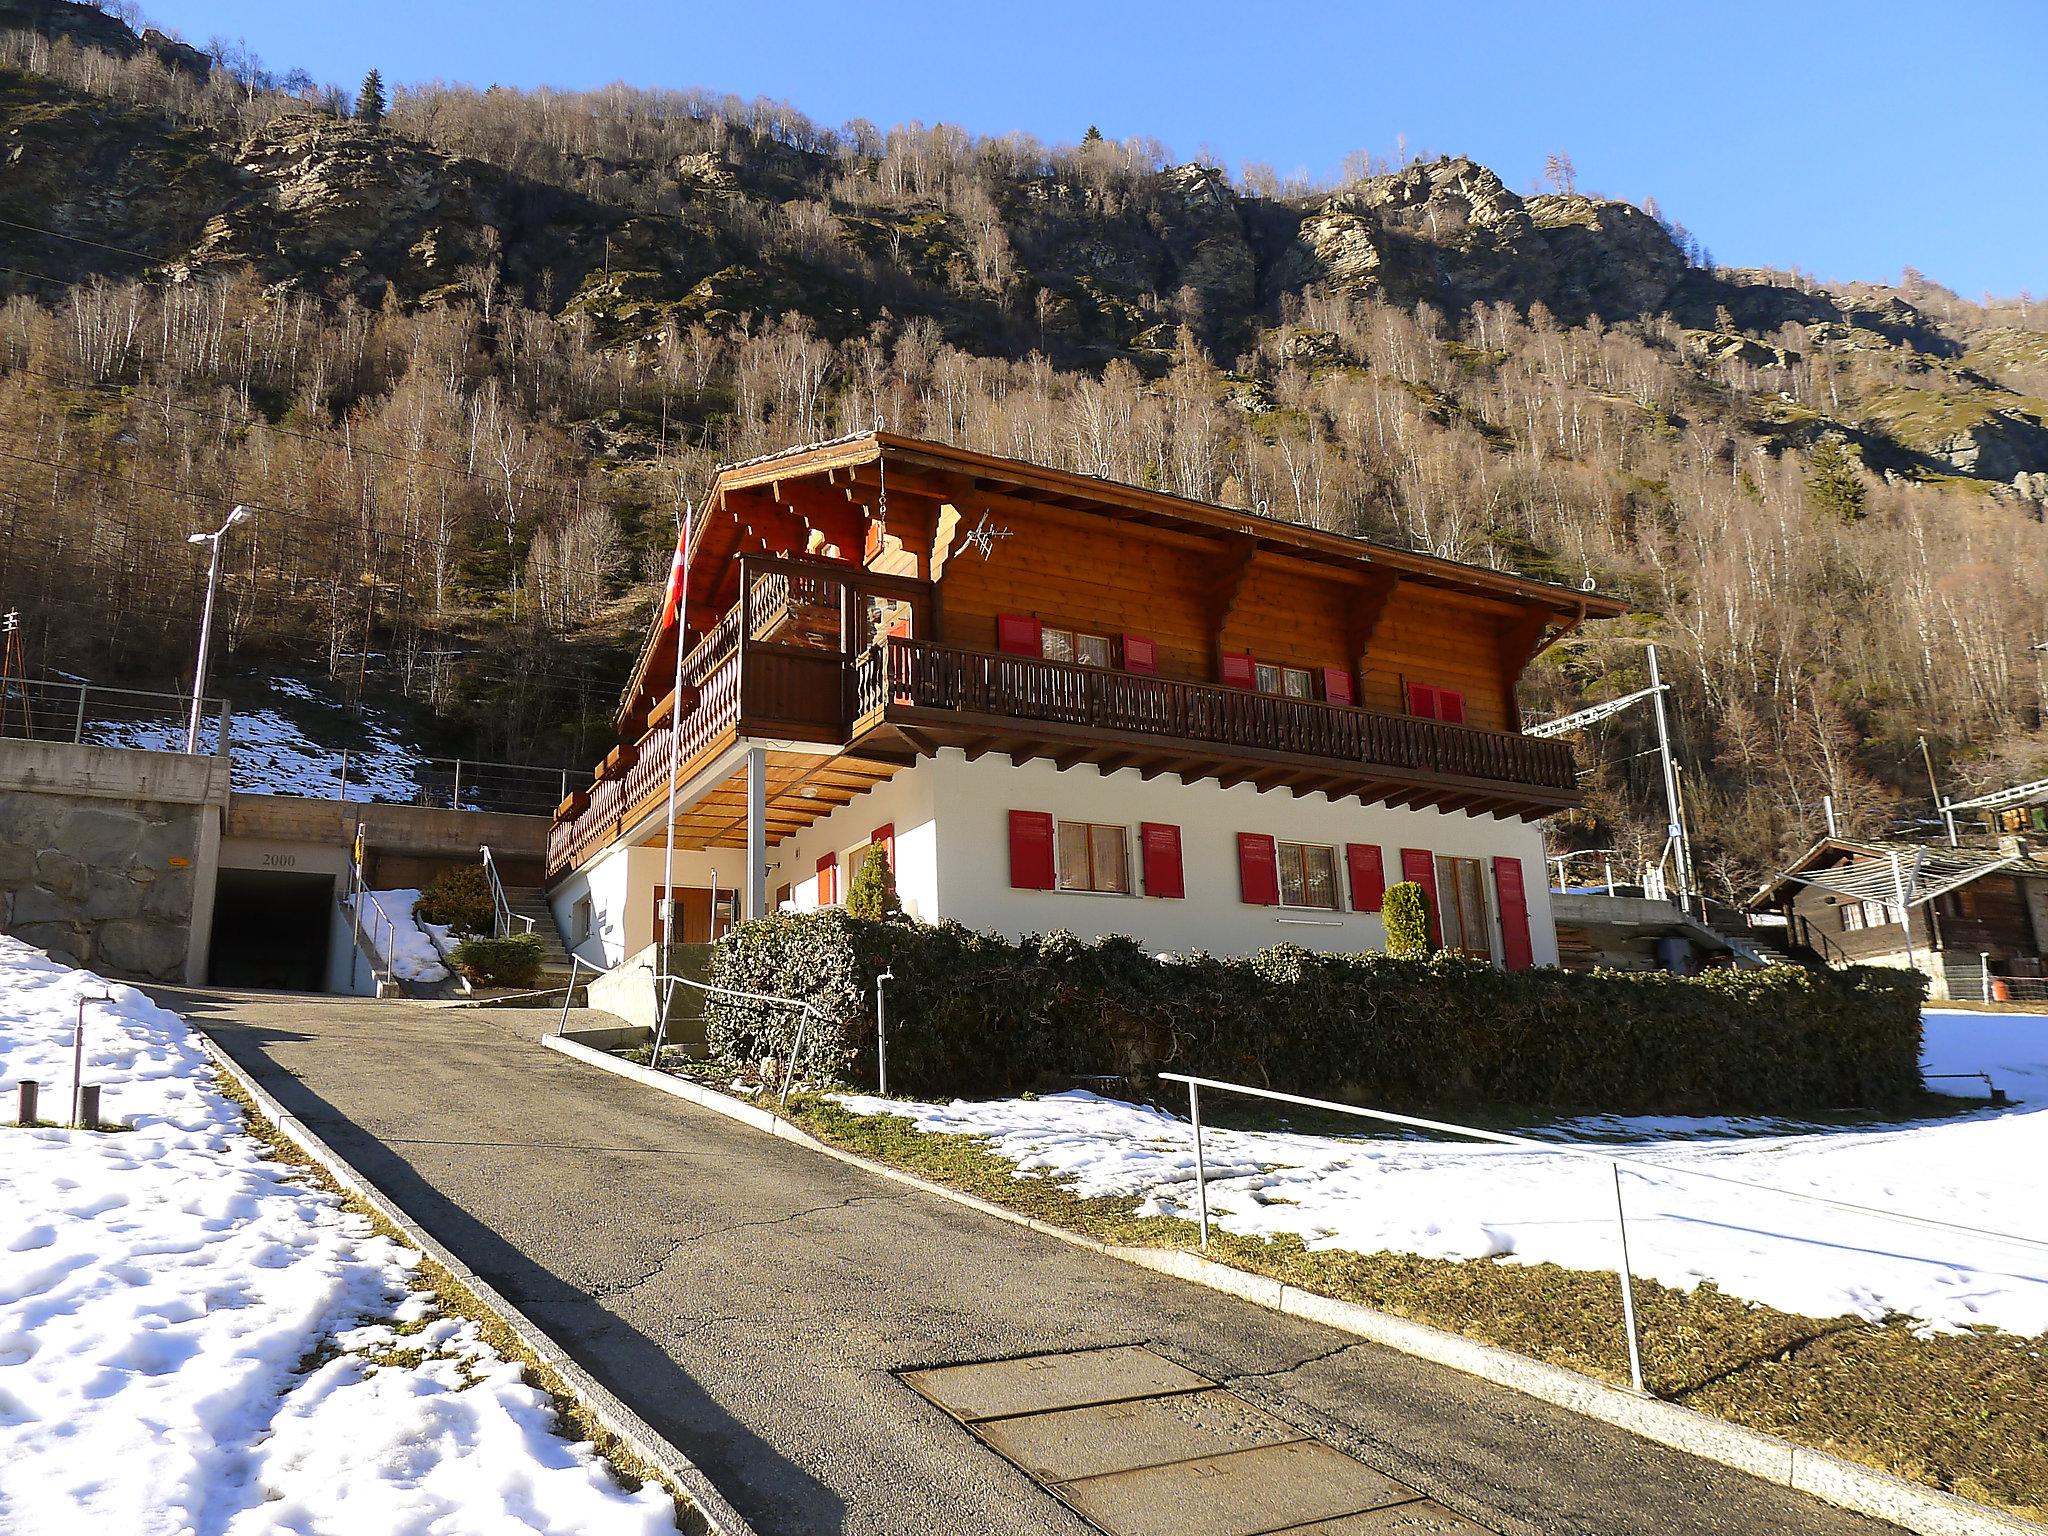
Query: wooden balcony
(928, 696)
(784, 670)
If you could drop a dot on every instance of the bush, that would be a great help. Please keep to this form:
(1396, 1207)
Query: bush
(459, 898)
(1405, 909)
(974, 1014)
(512, 962)
(873, 893)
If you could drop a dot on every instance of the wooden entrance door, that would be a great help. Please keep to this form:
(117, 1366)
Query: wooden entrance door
(693, 909)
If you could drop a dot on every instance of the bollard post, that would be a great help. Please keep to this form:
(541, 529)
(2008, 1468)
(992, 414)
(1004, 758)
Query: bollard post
(25, 1102)
(1628, 1289)
(77, 1060)
(1201, 1180)
(882, 1037)
(89, 1107)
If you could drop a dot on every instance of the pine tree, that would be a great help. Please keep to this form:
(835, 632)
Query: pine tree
(873, 894)
(1833, 487)
(370, 100)
(1405, 910)
(1092, 136)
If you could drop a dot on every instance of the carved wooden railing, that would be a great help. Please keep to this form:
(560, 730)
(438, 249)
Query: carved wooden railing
(927, 676)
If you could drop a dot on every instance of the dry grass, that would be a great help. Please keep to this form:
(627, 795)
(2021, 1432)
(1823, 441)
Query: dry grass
(1967, 1413)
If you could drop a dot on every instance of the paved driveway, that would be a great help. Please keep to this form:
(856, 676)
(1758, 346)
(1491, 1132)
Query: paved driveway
(751, 1299)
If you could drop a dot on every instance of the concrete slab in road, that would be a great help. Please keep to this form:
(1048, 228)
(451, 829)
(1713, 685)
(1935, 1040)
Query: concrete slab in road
(755, 1302)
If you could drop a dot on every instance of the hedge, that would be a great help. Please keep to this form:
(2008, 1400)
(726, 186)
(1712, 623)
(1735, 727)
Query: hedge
(973, 1014)
(508, 962)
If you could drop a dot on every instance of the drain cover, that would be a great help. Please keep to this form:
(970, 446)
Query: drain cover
(1141, 1446)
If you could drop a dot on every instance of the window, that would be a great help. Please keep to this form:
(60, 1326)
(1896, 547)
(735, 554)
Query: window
(1093, 858)
(1467, 925)
(579, 920)
(1308, 876)
(1074, 645)
(1266, 677)
(1298, 683)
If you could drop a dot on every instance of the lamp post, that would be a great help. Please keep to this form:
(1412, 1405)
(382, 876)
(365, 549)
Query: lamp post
(239, 515)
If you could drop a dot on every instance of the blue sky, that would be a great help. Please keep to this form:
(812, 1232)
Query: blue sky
(1848, 139)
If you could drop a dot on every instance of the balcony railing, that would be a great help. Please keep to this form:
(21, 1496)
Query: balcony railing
(794, 689)
(924, 676)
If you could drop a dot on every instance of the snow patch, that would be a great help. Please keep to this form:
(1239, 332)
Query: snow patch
(1449, 1200)
(192, 1338)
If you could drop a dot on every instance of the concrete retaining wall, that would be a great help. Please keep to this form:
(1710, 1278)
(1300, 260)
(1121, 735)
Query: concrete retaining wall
(107, 852)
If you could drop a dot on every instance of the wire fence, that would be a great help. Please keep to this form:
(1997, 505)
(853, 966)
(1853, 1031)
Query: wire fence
(86, 714)
(1664, 1174)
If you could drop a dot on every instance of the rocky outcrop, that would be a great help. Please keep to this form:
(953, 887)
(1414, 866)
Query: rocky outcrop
(2003, 445)
(1449, 232)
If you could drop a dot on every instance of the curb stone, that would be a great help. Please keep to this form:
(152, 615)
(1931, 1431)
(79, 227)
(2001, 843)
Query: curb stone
(715, 1514)
(1832, 1479)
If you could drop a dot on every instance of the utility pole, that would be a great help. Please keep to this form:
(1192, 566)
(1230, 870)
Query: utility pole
(1940, 805)
(239, 515)
(1674, 825)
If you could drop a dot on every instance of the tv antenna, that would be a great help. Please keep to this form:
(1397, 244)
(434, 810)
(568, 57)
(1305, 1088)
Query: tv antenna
(983, 536)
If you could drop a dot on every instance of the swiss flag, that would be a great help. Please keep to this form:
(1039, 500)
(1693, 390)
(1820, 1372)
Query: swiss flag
(678, 581)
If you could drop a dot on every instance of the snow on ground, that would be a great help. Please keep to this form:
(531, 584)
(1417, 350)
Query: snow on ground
(415, 956)
(1471, 1201)
(273, 756)
(193, 1338)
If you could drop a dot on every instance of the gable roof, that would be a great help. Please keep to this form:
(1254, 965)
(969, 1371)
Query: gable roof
(919, 464)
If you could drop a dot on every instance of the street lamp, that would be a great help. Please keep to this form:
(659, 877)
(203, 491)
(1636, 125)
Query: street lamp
(239, 515)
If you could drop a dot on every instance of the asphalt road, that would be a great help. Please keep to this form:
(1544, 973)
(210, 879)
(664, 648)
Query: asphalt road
(750, 1299)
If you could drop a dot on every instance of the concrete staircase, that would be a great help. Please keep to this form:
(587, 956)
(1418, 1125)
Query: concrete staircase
(527, 901)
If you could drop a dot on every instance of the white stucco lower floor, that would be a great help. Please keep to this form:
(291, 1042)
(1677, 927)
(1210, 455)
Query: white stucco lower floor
(948, 821)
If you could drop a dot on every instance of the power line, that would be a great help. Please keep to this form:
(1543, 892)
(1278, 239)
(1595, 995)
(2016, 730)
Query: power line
(98, 245)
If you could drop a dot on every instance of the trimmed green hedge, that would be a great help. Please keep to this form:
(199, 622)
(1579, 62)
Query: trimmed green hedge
(973, 1014)
(507, 962)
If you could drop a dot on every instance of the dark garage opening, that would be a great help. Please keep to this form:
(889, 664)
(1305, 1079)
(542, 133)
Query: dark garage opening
(270, 929)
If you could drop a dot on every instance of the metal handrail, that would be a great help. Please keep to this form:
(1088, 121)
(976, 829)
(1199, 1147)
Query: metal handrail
(366, 937)
(501, 908)
(1616, 1166)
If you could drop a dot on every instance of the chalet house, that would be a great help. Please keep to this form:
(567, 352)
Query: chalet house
(1977, 917)
(1062, 703)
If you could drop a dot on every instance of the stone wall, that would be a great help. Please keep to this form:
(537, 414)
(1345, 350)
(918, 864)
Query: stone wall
(103, 883)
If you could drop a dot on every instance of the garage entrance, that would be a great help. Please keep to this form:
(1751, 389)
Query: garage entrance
(271, 929)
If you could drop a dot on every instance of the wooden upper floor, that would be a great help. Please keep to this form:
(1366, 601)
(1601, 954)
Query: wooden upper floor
(892, 596)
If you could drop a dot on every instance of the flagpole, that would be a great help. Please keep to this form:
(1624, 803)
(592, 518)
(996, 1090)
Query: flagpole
(675, 763)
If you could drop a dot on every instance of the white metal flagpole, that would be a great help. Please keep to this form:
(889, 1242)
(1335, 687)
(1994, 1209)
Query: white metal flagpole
(679, 583)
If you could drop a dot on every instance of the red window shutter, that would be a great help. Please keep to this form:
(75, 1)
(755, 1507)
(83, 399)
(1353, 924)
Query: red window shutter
(1368, 876)
(1258, 870)
(1422, 700)
(1160, 844)
(1450, 706)
(828, 880)
(1017, 633)
(1338, 687)
(1237, 669)
(1419, 865)
(1031, 866)
(885, 834)
(1516, 954)
(1141, 654)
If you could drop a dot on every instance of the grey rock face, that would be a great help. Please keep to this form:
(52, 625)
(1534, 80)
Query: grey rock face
(61, 873)
(17, 865)
(69, 943)
(100, 835)
(111, 893)
(141, 947)
(36, 905)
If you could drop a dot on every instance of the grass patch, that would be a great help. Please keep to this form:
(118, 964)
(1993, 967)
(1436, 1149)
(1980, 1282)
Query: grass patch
(1967, 1413)
(573, 1421)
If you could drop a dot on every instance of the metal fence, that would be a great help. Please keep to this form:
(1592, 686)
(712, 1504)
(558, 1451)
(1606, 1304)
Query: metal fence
(87, 714)
(1656, 1173)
